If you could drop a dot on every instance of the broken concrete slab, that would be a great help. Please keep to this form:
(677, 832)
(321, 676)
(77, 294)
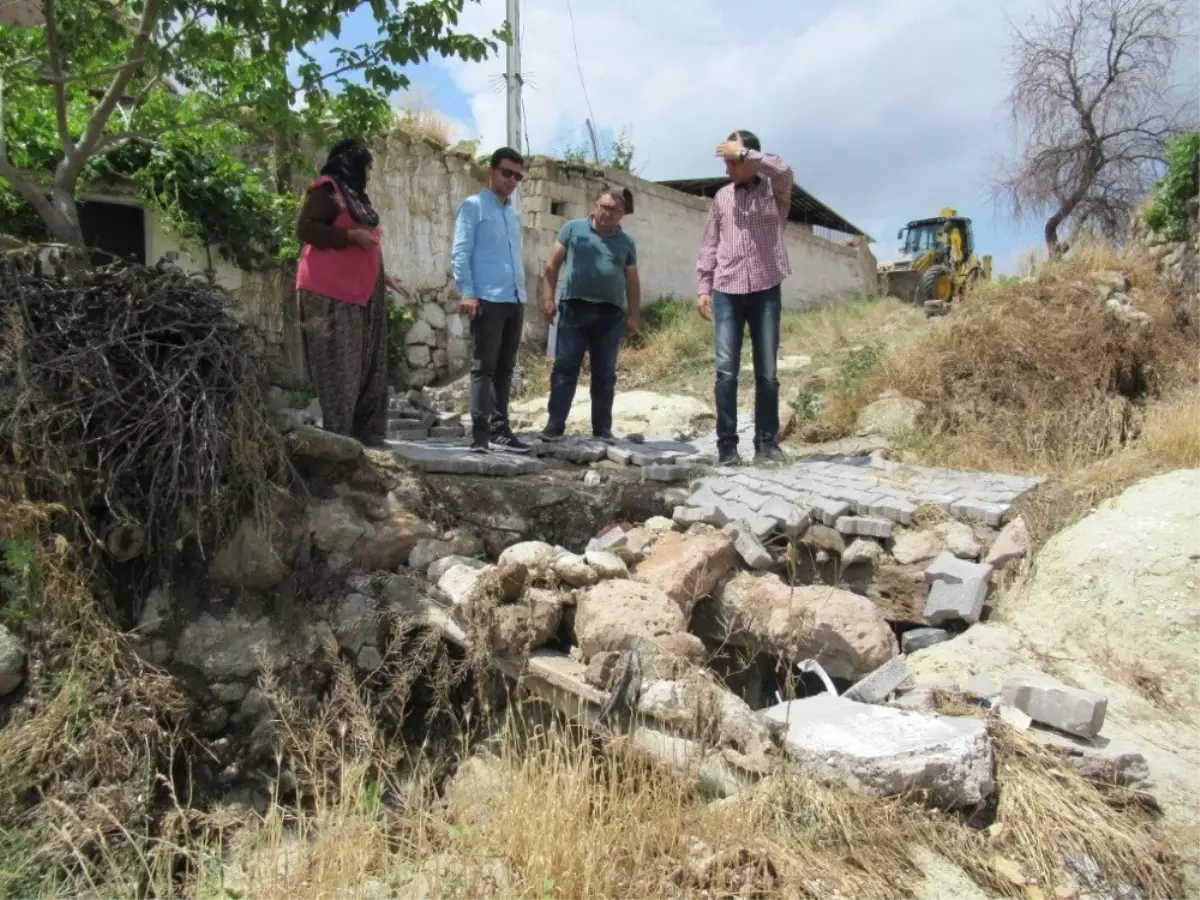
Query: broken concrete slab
(1012, 544)
(882, 751)
(1050, 702)
(1100, 759)
(919, 638)
(879, 685)
(455, 458)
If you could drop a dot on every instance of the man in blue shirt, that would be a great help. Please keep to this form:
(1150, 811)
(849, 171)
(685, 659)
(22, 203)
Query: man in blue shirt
(600, 291)
(490, 274)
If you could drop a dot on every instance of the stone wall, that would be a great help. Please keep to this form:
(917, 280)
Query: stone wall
(417, 189)
(1177, 262)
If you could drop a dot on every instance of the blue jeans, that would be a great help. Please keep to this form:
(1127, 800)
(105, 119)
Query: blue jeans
(731, 314)
(594, 328)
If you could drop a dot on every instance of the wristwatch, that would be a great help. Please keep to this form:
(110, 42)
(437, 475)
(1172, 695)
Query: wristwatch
(742, 154)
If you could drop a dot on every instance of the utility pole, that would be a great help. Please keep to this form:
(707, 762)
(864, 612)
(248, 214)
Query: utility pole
(512, 75)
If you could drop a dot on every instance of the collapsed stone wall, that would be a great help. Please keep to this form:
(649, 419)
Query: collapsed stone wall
(1177, 262)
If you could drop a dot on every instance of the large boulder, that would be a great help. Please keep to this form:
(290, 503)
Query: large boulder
(687, 567)
(617, 614)
(844, 632)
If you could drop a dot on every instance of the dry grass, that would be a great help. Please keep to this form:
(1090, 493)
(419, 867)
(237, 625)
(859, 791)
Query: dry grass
(425, 124)
(1035, 376)
(545, 814)
(673, 352)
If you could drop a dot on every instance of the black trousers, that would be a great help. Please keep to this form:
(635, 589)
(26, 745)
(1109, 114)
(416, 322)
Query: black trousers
(496, 330)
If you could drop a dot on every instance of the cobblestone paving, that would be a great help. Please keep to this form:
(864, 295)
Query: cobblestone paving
(859, 495)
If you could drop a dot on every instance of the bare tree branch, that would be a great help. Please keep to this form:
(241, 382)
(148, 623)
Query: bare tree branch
(73, 162)
(56, 71)
(1089, 101)
(33, 194)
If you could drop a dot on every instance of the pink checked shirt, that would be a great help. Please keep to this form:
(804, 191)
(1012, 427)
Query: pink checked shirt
(742, 250)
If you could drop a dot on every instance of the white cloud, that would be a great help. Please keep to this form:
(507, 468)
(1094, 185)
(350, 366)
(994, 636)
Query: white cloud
(886, 109)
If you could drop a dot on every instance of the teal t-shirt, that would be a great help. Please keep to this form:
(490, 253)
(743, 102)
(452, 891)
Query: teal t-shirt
(595, 266)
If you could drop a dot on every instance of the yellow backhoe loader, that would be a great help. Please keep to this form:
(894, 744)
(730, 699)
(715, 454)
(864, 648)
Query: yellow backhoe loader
(937, 260)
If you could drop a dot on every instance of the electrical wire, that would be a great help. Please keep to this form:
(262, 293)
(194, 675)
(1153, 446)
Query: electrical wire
(578, 66)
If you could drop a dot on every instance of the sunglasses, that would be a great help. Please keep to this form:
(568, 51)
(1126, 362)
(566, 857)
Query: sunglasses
(512, 173)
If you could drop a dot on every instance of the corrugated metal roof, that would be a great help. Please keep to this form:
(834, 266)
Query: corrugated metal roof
(806, 208)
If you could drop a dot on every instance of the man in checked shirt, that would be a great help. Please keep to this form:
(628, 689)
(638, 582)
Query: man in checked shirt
(742, 262)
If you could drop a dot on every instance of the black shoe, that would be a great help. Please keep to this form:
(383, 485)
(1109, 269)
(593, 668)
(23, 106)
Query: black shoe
(552, 435)
(479, 445)
(770, 453)
(509, 443)
(606, 436)
(728, 456)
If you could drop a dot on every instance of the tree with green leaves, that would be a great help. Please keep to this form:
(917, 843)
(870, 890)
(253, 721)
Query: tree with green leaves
(107, 78)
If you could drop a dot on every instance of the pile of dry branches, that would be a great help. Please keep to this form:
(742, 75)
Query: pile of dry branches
(133, 398)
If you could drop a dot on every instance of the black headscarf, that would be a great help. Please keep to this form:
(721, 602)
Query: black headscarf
(347, 166)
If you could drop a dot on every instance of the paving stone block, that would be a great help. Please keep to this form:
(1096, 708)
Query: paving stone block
(792, 519)
(981, 686)
(1050, 702)
(829, 511)
(878, 686)
(447, 431)
(894, 508)
(748, 546)
(666, 473)
(620, 455)
(948, 601)
(865, 527)
(687, 516)
(746, 497)
(979, 511)
(407, 434)
(948, 567)
(759, 525)
(919, 638)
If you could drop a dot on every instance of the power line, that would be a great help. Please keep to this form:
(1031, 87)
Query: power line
(578, 67)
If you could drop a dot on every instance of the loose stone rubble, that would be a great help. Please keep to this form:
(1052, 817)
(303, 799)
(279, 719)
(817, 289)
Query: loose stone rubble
(828, 562)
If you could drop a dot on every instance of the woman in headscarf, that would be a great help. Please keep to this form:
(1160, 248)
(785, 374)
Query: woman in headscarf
(343, 301)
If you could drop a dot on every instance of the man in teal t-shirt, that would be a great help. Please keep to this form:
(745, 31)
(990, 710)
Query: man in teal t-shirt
(600, 291)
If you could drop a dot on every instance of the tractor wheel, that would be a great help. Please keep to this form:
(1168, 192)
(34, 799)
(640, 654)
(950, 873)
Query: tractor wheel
(929, 282)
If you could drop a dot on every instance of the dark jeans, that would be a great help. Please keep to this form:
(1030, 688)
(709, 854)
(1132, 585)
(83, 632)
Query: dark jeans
(594, 328)
(496, 330)
(731, 314)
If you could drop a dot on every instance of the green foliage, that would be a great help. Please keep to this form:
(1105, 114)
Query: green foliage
(19, 577)
(619, 154)
(1167, 213)
(807, 405)
(658, 317)
(204, 63)
(211, 198)
(400, 319)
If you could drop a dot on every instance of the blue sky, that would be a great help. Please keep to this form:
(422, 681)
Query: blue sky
(887, 109)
